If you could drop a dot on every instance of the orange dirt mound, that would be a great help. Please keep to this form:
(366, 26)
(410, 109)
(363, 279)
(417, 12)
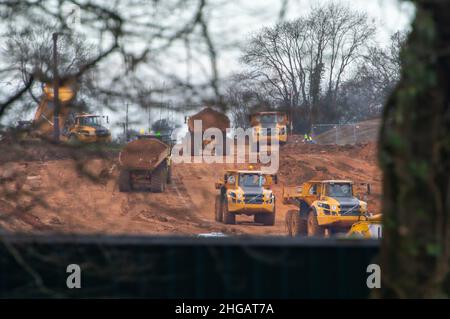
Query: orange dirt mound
(210, 119)
(143, 153)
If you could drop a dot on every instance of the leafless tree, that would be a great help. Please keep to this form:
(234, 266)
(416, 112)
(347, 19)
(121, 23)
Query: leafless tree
(29, 53)
(244, 95)
(311, 56)
(382, 65)
(130, 41)
(363, 95)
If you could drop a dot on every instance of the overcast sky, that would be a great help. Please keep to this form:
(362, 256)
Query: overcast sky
(241, 18)
(233, 22)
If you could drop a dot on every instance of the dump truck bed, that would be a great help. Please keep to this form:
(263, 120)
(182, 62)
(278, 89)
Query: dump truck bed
(292, 194)
(210, 119)
(144, 154)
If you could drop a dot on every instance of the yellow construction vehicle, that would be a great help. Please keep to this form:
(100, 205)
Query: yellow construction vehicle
(368, 227)
(325, 207)
(246, 192)
(84, 128)
(269, 124)
(209, 118)
(145, 163)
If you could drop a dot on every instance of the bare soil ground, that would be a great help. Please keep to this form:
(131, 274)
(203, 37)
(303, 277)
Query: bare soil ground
(57, 189)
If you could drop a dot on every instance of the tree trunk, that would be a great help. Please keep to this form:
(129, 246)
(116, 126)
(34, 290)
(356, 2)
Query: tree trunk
(415, 159)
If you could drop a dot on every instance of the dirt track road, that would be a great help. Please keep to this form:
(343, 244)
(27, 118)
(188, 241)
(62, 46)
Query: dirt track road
(53, 195)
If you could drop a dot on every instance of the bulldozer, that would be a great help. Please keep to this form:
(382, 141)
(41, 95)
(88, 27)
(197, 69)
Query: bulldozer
(269, 124)
(145, 163)
(325, 208)
(245, 192)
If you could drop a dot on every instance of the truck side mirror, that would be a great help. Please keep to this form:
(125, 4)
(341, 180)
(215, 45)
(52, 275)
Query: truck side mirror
(185, 119)
(275, 179)
(368, 189)
(231, 180)
(107, 119)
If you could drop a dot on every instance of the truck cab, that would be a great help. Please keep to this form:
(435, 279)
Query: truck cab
(87, 128)
(271, 124)
(246, 192)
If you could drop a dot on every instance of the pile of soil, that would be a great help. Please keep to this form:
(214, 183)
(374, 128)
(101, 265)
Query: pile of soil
(210, 119)
(143, 153)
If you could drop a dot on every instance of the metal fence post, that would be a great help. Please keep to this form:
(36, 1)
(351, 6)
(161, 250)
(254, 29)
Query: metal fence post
(335, 128)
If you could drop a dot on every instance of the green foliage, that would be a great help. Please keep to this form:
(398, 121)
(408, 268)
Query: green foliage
(414, 152)
(419, 169)
(434, 249)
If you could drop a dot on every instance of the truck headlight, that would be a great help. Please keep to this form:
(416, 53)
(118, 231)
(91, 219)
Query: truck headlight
(233, 196)
(323, 205)
(333, 207)
(269, 198)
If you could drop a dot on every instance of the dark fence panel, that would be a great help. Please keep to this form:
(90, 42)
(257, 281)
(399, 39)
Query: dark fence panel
(185, 267)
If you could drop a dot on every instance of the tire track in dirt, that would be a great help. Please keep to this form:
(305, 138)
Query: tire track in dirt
(77, 204)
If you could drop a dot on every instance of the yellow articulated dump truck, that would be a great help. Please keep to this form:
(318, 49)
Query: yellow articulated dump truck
(145, 163)
(42, 123)
(86, 128)
(209, 118)
(324, 208)
(268, 124)
(245, 192)
(74, 128)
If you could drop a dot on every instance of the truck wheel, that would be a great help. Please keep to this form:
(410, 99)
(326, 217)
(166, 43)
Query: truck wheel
(314, 230)
(124, 181)
(288, 222)
(218, 209)
(228, 218)
(295, 225)
(158, 179)
(169, 174)
(301, 224)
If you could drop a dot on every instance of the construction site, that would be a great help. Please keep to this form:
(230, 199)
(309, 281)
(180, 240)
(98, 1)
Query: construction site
(208, 149)
(63, 189)
(136, 202)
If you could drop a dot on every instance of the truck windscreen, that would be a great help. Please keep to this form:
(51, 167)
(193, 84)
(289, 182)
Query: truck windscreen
(339, 190)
